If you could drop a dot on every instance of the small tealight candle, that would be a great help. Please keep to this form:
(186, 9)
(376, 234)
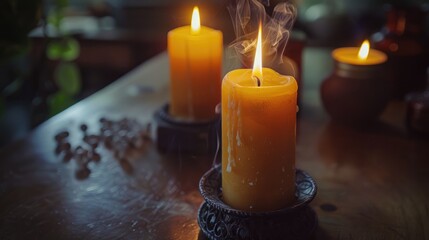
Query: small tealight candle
(195, 54)
(359, 56)
(258, 137)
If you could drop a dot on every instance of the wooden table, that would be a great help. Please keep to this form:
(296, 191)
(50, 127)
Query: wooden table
(372, 183)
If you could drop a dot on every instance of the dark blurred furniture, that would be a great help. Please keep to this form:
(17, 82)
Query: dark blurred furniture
(139, 32)
(372, 183)
(405, 41)
(107, 54)
(156, 18)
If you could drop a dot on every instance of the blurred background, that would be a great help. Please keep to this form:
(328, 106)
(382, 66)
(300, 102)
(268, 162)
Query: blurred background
(56, 52)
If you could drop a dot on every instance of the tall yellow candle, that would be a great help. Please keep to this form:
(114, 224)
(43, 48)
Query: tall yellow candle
(195, 54)
(258, 138)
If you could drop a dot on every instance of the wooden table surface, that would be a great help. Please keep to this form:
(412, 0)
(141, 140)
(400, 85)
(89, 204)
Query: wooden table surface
(372, 184)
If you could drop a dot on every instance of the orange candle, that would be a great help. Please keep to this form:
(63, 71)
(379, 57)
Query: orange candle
(195, 54)
(258, 138)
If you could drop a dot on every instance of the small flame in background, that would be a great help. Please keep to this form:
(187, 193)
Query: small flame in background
(246, 15)
(364, 50)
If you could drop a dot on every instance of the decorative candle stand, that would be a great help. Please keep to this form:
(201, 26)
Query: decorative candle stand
(219, 221)
(181, 136)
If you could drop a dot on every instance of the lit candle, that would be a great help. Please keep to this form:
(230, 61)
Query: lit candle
(357, 91)
(195, 54)
(359, 56)
(258, 137)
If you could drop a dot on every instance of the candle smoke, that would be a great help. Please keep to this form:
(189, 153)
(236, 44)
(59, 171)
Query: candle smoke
(246, 14)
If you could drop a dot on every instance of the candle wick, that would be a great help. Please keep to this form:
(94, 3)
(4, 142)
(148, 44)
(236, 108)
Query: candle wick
(258, 81)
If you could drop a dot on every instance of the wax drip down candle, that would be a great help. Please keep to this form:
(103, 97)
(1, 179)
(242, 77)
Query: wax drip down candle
(258, 137)
(195, 54)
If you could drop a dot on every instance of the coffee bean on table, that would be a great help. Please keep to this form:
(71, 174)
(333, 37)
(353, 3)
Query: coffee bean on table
(58, 149)
(92, 140)
(68, 155)
(96, 157)
(117, 136)
(83, 173)
(108, 143)
(79, 150)
(61, 136)
(61, 147)
(83, 127)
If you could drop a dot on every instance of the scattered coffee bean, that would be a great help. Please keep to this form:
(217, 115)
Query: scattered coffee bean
(83, 173)
(108, 143)
(92, 140)
(83, 127)
(68, 155)
(58, 150)
(61, 147)
(61, 136)
(79, 150)
(117, 136)
(96, 157)
(65, 146)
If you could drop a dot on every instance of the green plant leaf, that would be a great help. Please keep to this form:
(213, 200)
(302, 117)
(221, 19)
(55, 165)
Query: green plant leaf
(66, 49)
(59, 101)
(55, 17)
(70, 49)
(54, 50)
(67, 77)
(61, 3)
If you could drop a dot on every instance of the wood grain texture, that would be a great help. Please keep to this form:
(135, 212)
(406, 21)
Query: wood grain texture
(372, 183)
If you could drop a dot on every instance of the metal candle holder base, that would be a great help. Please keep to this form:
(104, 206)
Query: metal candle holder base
(219, 221)
(180, 136)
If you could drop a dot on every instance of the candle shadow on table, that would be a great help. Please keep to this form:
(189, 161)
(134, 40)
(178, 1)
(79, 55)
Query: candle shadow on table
(186, 169)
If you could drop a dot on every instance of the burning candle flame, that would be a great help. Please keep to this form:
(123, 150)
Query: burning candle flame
(364, 50)
(195, 22)
(257, 64)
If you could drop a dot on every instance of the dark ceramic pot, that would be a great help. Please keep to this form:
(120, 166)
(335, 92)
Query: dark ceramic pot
(356, 94)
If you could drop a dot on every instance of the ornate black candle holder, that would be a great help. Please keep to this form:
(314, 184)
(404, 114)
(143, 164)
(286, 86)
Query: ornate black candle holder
(180, 136)
(219, 221)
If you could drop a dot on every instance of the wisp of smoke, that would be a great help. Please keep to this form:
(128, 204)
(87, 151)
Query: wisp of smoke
(246, 15)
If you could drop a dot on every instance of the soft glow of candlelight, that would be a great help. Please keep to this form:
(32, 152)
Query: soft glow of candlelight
(257, 64)
(195, 54)
(364, 50)
(195, 22)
